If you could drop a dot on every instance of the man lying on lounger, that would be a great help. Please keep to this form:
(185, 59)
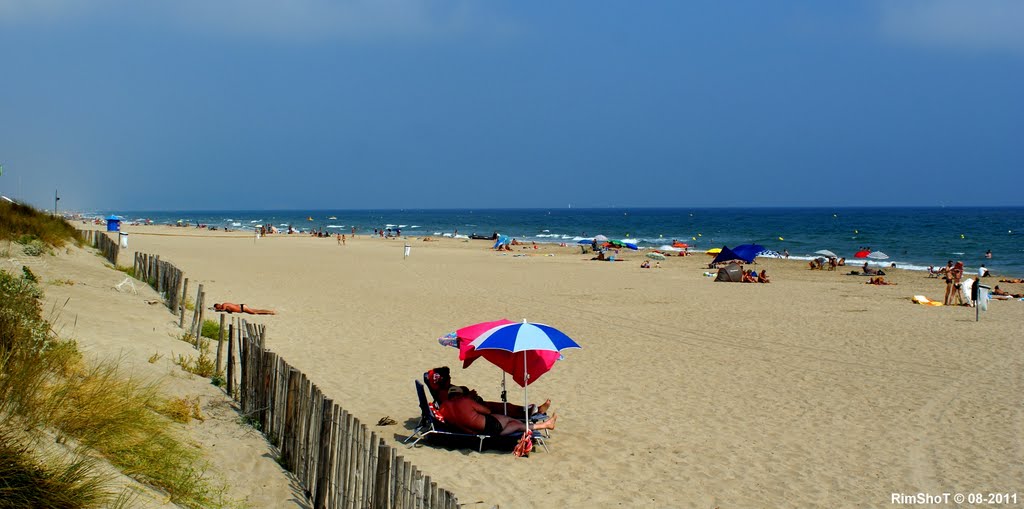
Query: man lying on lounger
(231, 307)
(439, 381)
(466, 413)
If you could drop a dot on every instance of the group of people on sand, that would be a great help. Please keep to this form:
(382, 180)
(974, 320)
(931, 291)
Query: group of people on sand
(832, 262)
(463, 409)
(647, 264)
(752, 276)
(951, 274)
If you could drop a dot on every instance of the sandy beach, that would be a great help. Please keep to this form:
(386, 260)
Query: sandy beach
(816, 390)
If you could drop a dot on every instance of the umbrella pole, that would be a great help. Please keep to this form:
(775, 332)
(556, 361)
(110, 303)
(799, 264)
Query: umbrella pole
(526, 398)
(504, 398)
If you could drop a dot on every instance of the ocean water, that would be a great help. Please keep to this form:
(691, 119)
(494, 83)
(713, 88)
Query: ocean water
(913, 238)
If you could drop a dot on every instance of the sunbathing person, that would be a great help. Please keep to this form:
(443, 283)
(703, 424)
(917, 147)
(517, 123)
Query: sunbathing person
(879, 281)
(749, 277)
(231, 307)
(869, 270)
(1004, 293)
(464, 412)
(439, 381)
(1016, 280)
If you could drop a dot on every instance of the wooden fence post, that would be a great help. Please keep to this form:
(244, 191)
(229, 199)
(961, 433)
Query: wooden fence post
(231, 359)
(380, 493)
(202, 316)
(220, 344)
(184, 301)
(323, 470)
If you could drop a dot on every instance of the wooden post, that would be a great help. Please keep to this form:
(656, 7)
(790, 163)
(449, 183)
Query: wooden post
(202, 316)
(324, 467)
(220, 344)
(184, 300)
(195, 312)
(290, 416)
(231, 359)
(370, 472)
(380, 493)
(350, 467)
(395, 487)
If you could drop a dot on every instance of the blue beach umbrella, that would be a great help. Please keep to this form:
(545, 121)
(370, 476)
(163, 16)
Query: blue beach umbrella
(524, 337)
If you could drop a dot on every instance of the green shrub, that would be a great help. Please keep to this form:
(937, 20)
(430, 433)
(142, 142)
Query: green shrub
(27, 274)
(211, 329)
(35, 248)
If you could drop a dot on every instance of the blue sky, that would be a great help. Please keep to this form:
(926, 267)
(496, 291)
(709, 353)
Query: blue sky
(308, 104)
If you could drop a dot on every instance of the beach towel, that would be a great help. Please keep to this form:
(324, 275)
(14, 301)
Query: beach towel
(921, 299)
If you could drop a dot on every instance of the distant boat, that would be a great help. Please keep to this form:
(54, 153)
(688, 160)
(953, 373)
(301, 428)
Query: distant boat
(332, 217)
(310, 218)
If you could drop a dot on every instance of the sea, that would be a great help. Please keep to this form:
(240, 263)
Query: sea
(912, 238)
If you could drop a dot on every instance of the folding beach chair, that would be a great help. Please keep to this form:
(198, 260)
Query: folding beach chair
(430, 427)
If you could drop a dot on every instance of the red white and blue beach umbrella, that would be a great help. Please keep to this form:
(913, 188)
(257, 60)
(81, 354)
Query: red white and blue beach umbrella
(520, 338)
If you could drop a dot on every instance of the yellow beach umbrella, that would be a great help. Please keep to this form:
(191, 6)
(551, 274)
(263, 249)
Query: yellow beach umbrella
(714, 251)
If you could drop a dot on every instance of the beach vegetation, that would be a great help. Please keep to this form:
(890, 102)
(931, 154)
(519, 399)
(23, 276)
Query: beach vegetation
(155, 357)
(211, 329)
(47, 389)
(35, 248)
(182, 409)
(28, 275)
(130, 271)
(31, 480)
(201, 365)
(218, 379)
(25, 225)
(62, 282)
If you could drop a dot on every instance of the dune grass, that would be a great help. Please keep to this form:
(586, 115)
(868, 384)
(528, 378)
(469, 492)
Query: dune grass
(25, 224)
(93, 408)
(31, 481)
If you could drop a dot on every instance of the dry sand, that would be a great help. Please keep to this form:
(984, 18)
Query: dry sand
(816, 390)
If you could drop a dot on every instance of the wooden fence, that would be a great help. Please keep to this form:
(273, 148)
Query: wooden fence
(101, 241)
(164, 277)
(337, 460)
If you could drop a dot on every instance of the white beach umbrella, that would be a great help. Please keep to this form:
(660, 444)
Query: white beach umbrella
(826, 252)
(878, 255)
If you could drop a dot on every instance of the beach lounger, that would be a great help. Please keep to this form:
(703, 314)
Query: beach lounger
(431, 428)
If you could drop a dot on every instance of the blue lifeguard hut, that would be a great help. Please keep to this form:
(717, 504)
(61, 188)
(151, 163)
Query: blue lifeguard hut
(113, 223)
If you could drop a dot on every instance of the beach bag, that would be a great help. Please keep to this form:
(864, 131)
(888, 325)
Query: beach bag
(525, 445)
